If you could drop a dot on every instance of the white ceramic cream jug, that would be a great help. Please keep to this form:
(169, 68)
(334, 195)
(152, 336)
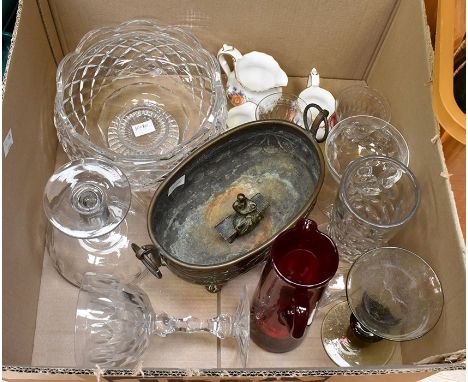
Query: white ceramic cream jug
(255, 75)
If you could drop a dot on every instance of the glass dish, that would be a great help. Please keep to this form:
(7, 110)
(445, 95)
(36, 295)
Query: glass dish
(291, 108)
(283, 106)
(140, 95)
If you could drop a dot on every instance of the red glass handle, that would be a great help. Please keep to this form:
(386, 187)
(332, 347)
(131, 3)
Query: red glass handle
(300, 317)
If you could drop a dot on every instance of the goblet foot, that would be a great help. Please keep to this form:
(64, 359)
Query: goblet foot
(345, 348)
(87, 198)
(327, 195)
(326, 209)
(336, 288)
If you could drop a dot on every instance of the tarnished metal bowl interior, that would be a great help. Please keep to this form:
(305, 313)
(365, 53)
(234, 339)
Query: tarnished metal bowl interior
(275, 158)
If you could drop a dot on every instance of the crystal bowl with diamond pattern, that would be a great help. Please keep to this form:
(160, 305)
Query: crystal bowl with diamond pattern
(141, 96)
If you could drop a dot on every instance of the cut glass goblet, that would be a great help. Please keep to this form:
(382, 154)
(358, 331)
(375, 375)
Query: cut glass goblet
(92, 214)
(356, 137)
(361, 100)
(115, 322)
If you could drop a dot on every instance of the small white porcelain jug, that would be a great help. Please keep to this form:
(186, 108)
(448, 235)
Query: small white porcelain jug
(255, 75)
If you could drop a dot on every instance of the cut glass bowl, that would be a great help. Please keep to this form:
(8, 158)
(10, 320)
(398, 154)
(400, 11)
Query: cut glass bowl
(140, 95)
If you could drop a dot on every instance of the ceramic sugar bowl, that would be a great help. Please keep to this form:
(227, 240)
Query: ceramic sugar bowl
(255, 75)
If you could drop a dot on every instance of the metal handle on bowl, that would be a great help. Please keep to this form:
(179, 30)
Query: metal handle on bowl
(149, 256)
(321, 117)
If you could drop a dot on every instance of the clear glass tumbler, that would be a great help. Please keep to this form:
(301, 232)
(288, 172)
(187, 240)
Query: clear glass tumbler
(361, 100)
(377, 196)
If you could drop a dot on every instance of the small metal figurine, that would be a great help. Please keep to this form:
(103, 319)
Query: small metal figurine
(248, 213)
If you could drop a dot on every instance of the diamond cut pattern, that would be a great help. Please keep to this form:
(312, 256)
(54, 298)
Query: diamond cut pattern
(133, 49)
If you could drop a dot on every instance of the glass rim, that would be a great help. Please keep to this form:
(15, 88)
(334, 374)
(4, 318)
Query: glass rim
(320, 284)
(376, 92)
(407, 171)
(410, 253)
(290, 96)
(338, 128)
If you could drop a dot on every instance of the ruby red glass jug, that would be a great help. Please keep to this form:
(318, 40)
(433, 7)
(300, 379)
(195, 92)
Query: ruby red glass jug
(302, 261)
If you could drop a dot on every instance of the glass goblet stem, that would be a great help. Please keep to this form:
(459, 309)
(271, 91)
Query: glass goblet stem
(89, 200)
(235, 325)
(220, 326)
(360, 332)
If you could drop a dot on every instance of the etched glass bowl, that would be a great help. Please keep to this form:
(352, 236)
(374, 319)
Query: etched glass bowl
(392, 295)
(140, 95)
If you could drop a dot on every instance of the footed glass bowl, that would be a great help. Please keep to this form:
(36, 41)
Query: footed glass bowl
(140, 95)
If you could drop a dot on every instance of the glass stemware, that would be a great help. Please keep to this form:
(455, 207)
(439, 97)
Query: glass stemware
(353, 138)
(377, 196)
(392, 295)
(361, 100)
(92, 214)
(115, 322)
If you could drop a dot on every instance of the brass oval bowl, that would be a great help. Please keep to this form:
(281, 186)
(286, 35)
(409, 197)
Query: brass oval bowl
(275, 158)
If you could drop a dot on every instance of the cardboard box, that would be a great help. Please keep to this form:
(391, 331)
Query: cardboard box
(385, 44)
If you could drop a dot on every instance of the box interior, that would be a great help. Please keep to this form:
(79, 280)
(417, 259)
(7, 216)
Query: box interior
(350, 42)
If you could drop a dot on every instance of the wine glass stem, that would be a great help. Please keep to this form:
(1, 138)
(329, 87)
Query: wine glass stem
(361, 333)
(89, 200)
(220, 326)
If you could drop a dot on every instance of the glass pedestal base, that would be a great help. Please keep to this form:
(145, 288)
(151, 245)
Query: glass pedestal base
(344, 348)
(143, 129)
